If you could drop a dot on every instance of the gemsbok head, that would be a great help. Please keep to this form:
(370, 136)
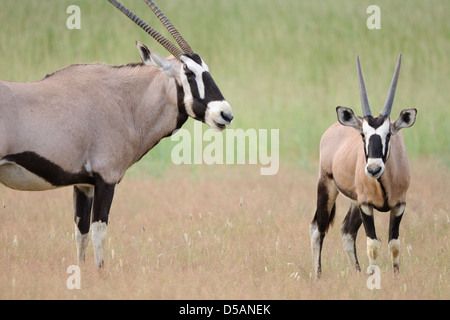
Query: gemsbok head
(364, 159)
(86, 124)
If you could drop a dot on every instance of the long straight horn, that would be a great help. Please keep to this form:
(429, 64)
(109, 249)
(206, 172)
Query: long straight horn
(169, 46)
(362, 89)
(169, 26)
(390, 98)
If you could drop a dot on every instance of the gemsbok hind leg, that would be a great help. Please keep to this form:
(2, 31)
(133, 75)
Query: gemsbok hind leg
(323, 218)
(103, 196)
(82, 202)
(394, 243)
(349, 231)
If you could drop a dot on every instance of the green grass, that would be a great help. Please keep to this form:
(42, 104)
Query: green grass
(281, 64)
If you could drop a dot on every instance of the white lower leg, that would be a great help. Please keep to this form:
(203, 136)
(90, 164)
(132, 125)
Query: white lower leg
(349, 248)
(99, 231)
(82, 243)
(373, 248)
(315, 248)
(394, 249)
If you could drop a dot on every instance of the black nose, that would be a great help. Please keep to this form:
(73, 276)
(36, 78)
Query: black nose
(227, 117)
(374, 171)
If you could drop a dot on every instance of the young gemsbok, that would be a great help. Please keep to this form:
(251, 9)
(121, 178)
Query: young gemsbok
(365, 160)
(85, 125)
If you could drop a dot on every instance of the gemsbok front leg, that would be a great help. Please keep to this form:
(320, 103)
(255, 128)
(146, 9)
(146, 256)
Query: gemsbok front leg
(394, 243)
(82, 202)
(373, 245)
(103, 196)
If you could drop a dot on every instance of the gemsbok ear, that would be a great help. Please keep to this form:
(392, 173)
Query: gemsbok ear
(347, 118)
(154, 59)
(144, 52)
(405, 120)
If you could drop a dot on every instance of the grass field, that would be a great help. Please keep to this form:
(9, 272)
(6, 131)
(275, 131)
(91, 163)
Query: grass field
(225, 232)
(247, 239)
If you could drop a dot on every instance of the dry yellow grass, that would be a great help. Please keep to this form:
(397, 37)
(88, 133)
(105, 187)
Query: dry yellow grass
(219, 233)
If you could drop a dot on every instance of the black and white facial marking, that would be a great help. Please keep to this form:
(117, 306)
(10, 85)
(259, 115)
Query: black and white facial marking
(376, 134)
(202, 98)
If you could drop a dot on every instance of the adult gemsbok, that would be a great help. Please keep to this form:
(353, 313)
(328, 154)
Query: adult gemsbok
(85, 125)
(365, 160)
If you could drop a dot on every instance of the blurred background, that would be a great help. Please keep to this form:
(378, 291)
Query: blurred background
(282, 64)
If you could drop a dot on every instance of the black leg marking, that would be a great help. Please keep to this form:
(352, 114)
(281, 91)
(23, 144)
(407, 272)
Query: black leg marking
(349, 231)
(394, 226)
(323, 218)
(368, 221)
(373, 245)
(103, 196)
(82, 201)
(352, 221)
(394, 223)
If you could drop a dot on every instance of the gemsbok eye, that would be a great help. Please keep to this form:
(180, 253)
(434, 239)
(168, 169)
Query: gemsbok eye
(189, 73)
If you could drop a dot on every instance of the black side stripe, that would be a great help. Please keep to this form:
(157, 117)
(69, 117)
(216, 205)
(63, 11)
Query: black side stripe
(48, 170)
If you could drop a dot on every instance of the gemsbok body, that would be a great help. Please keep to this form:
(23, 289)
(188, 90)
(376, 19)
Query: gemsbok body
(364, 159)
(85, 125)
